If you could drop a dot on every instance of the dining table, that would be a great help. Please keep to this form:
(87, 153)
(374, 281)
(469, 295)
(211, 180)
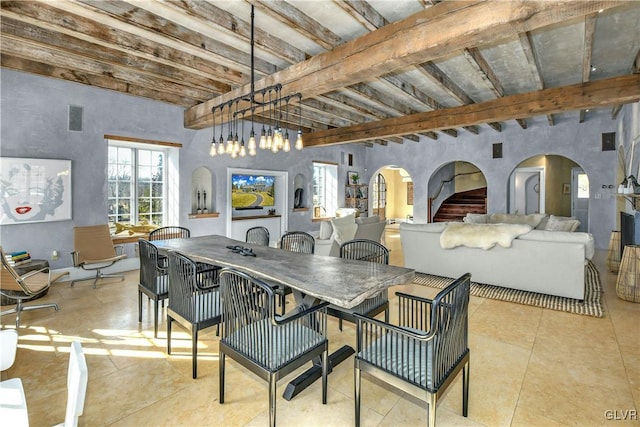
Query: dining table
(312, 279)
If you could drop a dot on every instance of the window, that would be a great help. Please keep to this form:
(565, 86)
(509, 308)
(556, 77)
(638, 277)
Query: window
(136, 184)
(583, 186)
(325, 189)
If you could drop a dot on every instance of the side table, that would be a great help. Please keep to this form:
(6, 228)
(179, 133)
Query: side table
(627, 286)
(33, 264)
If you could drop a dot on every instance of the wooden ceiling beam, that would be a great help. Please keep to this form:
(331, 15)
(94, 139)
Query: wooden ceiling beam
(599, 93)
(46, 39)
(484, 70)
(204, 16)
(45, 15)
(424, 36)
(534, 65)
(587, 52)
(294, 18)
(62, 59)
(138, 21)
(100, 81)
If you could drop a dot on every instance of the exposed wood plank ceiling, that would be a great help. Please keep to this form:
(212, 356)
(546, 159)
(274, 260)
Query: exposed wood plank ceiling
(378, 71)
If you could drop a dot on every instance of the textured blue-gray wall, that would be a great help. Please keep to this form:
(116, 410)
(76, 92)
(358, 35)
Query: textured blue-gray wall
(34, 124)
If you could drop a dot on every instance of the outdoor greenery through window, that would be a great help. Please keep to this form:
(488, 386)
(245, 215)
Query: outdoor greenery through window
(325, 189)
(136, 185)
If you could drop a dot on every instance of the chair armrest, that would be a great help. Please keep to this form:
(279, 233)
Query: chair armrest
(297, 315)
(119, 249)
(75, 259)
(34, 272)
(207, 276)
(410, 333)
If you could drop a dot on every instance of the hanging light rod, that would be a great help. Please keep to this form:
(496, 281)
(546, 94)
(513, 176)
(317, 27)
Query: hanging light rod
(271, 102)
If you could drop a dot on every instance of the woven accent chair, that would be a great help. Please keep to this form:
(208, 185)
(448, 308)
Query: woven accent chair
(154, 279)
(194, 299)
(94, 250)
(368, 251)
(170, 232)
(258, 235)
(20, 288)
(294, 241)
(264, 343)
(424, 353)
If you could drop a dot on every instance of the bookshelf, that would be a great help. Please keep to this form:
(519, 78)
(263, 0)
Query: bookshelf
(357, 196)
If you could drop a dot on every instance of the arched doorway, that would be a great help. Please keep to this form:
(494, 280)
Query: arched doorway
(455, 189)
(392, 194)
(551, 184)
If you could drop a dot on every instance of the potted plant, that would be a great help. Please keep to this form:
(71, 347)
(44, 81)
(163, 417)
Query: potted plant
(355, 178)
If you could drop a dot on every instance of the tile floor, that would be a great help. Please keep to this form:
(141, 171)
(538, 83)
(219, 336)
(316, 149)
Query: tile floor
(529, 367)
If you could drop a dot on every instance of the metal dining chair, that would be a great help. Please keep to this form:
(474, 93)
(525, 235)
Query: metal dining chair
(294, 241)
(169, 232)
(423, 353)
(268, 345)
(154, 279)
(194, 299)
(366, 251)
(258, 235)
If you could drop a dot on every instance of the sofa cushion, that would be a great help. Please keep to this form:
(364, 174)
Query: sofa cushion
(326, 230)
(344, 228)
(560, 223)
(433, 227)
(473, 218)
(531, 219)
(563, 236)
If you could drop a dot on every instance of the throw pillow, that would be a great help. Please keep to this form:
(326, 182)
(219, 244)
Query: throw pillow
(558, 223)
(344, 228)
(368, 219)
(473, 218)
(325, 230)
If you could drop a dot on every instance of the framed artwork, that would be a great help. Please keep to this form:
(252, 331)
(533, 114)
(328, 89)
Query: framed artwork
(409, 193)
(352, 177)
(34, 190)
(566, 188)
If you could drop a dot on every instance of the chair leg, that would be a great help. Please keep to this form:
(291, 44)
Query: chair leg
(432, 410)
(139, 306)
(340, 324)
(465, 389)
(168, 334)
(386, 315)
(357, 375)
(325, 373)
(194, 353)
(283, 303)
(155, 318)
(272, 400)
(20, 308)
(221, 358)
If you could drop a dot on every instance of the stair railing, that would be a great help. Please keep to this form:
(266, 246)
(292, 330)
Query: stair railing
(430, 200)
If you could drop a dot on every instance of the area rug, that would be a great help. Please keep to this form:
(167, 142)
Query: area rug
(590, 306)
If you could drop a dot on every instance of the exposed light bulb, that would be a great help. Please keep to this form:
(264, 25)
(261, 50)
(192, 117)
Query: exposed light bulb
(213, 151)
(263, 139)
(243, 151)
(287, 144)
(221, 147)
(252, 141)
(299, 144)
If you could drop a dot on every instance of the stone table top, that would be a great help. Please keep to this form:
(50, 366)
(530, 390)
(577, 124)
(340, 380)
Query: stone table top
(345, 283)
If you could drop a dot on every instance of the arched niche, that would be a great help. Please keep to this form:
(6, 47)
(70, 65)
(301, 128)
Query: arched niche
(300, 192)
(202, 195)
(551, 184)
(451, 179)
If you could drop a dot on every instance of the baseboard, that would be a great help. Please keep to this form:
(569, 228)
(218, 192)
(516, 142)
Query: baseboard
(76, 273)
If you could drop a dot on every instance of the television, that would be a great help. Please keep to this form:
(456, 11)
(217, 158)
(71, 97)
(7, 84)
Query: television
(252, 191)
(627, 230)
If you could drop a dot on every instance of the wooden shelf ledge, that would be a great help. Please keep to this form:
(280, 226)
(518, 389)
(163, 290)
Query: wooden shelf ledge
(204, 215)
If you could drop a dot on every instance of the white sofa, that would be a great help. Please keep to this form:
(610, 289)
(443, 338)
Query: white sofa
(328, 240)
(548, 262)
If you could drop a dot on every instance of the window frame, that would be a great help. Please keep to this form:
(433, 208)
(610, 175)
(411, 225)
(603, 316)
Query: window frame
(328, 204)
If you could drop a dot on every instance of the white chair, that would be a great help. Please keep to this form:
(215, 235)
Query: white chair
(13, 404)
(77, 379)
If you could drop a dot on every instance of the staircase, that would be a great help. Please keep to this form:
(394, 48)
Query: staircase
(459, 204)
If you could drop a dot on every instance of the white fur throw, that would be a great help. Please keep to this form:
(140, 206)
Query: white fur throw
(484, 236)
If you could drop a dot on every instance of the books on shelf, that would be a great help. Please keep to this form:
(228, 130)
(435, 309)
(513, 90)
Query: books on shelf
(18, 258)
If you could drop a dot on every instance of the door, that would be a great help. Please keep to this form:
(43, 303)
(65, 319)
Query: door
(580, 197)
(527, 191)
(379, 196)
